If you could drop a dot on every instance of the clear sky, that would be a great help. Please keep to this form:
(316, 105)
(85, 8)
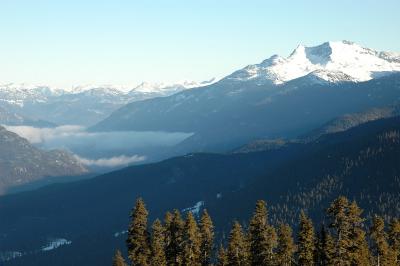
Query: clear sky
(71, 42)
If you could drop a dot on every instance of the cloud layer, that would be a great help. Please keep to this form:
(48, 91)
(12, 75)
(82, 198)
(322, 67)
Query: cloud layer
(100, 149)
(42, 135)
(111, 162)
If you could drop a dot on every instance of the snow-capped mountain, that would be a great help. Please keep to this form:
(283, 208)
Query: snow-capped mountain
(83, 105)
(19, 94)
(330, 61)
(279, 98)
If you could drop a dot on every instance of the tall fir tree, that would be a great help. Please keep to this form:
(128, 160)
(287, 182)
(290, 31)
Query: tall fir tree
(359, 250)
(262, 236)
(361, 255)
(305, 241)
(138, 241)
(192, 242)
(175, 232)
(286, 246)
(325, 248)
(222, 258)
(338, 212)
(237, 253)
(394, 238)
(158, 257)
(207, 238)
(167, 233)
(384, 256)
(118, 260)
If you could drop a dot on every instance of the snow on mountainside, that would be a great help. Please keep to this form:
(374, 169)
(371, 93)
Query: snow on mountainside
(18, 94)
(84, 105)
(330, 61)
(166, 89)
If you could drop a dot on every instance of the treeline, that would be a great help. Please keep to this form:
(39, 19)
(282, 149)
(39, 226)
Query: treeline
(345, 240)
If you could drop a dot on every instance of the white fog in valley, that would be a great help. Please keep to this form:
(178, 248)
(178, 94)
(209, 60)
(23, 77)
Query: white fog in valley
(100, 149)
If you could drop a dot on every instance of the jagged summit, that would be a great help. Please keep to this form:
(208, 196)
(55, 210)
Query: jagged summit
(331, 61)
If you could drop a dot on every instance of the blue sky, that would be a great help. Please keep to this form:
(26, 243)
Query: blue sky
(71, 42)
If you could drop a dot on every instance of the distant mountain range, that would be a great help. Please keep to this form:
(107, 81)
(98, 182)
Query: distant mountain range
(361, 163)
(83, 105)
(22, 163)
(311, 74)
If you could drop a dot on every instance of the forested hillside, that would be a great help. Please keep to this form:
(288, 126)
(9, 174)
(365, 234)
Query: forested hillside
(361, 164)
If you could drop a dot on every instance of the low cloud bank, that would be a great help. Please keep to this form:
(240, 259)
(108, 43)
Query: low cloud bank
(111, 162)
(41, 135)
(71, 136)
(101, 149)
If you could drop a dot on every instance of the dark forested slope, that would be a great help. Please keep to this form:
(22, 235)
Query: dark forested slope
(362, 163)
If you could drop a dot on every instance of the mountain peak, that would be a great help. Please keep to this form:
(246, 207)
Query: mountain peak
(337, 60)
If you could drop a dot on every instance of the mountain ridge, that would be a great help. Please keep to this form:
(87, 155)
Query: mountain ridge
(83, 105)
(249, 111)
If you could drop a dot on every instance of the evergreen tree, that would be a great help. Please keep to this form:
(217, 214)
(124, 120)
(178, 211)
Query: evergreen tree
(394, 238)
(158, 257)
(359, 250)
(286, 246)
(338, 212)
(325, 248)
(167, 234)
(361, 255)
(262, 236)
(138, 236)
(383, 254)
(306, 241)
(192, 242)
(207, 238)
(118, 260)
(237, 247)
(222, 258)
(175, 231)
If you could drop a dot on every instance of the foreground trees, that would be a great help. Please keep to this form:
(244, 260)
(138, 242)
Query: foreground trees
(306, 241)
(189, 241)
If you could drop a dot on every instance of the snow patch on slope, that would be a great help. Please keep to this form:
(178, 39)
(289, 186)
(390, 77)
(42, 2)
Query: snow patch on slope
(195, 209)
(51, 245)
(56, 243)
